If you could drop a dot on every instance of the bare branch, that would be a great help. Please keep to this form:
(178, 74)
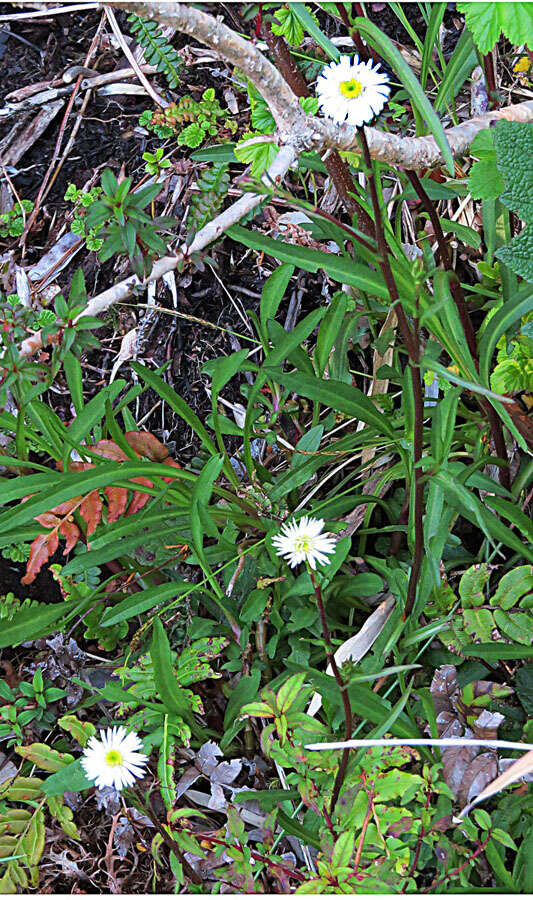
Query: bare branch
(293, 125)
(418, 152)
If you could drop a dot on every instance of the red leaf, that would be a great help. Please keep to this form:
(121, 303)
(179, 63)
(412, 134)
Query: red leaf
(109, 450)
(48, 520)
(65, 508)
(139, 498)
(71, 532)
(146, 444)
(91, 510)
(170, 462)
(117, 499)
(43, 547)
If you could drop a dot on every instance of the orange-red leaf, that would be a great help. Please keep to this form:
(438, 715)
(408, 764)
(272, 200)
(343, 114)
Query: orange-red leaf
(146, 444)
(43, 547)
(65, 508)
(48, 520)
(117, 499)
(71, 532)
(170, 462)
(139, 498)
(109, 450)
(91, 510)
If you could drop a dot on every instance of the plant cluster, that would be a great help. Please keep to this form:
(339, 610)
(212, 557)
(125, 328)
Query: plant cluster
(12, 222)
(191, 121)
(348, 556)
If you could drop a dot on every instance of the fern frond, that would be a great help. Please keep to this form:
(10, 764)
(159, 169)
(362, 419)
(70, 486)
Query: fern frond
(213, 186)
(157, 50)
(11, 606)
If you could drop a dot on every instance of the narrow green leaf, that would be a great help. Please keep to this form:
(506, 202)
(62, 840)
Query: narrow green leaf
(143, 601)
(338, 396)
(306, 20)
(171, 693)
(389, 52)
(32, 624)
(273, 291)
(499, 324)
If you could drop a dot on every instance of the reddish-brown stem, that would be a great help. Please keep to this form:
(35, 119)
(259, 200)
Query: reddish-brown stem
(366, 822)
(456, 871)
(338, 170)
(459, 298)
(410, 339)
(490, 79)
(353, 234)
(421, 835)
(292, 873)
(364, 50)
(339, 780)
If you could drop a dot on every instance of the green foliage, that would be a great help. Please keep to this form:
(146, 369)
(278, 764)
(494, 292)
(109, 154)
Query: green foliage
(82, 200)
(261, 118)
(287, 24)
(120, 218)
(503, 170)
(203, 630)
(22, 375)
(155, 162)
(483, 617)
(487, 21)
(192, 121)
(484, 180)
(32, 702)
(514, 368)
(258, 154)
(514, 149)
(212, 185)
(12, 222)
(157, 50)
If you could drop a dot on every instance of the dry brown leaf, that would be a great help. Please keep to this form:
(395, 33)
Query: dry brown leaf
(356, 646)
(519, 769)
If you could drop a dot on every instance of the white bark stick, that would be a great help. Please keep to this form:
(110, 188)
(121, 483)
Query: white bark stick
(310, 132)
(418, 742)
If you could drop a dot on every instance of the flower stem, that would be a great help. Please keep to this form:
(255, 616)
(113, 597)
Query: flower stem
(411, 341)
(339, 780)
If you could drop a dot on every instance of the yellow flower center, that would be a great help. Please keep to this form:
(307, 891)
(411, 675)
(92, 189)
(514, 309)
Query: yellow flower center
(303, 545)
(113, 758)
(351, 89)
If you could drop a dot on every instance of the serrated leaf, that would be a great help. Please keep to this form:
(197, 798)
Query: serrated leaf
(487, 21)
(484, 180)
(513, 143)
(259, 155)
(518, 255)
(262, 119)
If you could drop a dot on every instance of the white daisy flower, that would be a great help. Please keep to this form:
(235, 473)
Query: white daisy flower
(302, 541)
(114, 760)
(352, 91)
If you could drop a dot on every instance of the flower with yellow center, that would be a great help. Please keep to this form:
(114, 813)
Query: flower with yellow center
(113, 760)
(303, 541)
(352, 91)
